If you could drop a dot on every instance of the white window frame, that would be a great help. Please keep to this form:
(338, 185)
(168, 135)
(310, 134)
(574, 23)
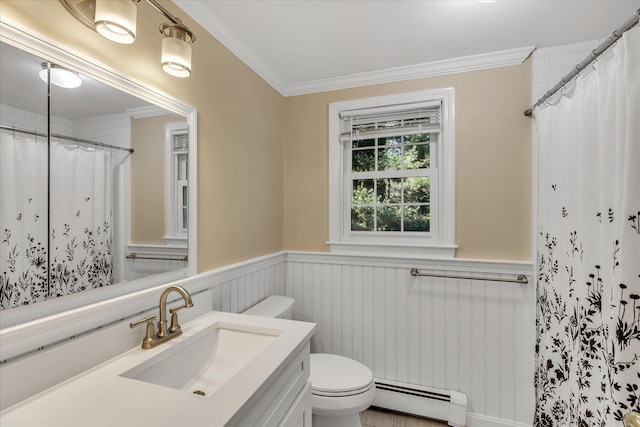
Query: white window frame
(174, 235)
(440, 243)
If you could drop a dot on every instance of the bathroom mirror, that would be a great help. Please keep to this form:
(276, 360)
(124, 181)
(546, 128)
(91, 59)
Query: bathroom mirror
(118, 221)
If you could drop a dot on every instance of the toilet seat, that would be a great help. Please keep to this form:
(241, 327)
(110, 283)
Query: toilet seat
(338, 376)
(342, 393)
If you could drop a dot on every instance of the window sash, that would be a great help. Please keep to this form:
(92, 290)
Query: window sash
(351, 176)
(176, 181)
(182, 208)
(393, 236)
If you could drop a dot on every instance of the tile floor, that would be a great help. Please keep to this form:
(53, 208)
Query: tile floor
(379, 418)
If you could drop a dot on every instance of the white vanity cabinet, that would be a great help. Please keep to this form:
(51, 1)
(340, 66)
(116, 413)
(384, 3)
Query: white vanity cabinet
(286, 400)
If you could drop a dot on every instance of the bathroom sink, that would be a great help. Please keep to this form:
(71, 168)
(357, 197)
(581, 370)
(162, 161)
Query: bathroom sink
(205, 361)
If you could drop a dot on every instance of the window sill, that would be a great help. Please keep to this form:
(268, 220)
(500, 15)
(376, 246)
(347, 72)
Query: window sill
(394, 250)
(175, 241)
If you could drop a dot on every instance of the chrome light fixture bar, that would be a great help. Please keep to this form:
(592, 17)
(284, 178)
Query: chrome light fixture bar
(116, 21)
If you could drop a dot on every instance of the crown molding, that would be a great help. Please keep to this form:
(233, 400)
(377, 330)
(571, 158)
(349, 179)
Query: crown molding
(464, 64)
(221, 31)
(144, 112)
(229, 39)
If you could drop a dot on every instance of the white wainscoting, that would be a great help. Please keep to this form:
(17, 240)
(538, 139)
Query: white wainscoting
(472, 336)
(466, 335)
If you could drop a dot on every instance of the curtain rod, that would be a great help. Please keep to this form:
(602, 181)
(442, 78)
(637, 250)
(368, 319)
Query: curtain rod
(69, 138)
(594, 54)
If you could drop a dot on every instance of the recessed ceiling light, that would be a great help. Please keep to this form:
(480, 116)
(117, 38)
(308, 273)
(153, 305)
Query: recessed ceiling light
(60, 76)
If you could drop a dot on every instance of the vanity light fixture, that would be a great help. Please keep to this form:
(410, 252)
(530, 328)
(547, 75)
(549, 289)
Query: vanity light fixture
(60, 76)
(176, 49)
(116, 21)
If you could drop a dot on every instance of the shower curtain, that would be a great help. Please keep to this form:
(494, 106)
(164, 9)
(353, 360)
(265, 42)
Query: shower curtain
(588, 245)
(80, 209)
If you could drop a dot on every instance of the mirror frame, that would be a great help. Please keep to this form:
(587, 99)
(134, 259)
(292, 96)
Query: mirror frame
(49, 50)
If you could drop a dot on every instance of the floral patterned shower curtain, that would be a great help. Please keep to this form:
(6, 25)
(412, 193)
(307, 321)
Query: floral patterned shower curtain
(80, 207)
(588, 245)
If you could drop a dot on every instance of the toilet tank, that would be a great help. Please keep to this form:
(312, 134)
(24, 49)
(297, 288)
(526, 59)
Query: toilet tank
(273, 306)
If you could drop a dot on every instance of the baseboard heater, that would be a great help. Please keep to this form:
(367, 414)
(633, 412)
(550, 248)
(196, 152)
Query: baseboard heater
(445, 405)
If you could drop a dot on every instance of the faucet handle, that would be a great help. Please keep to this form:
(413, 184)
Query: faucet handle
(174, 318)
(150, 334)
(178, 307)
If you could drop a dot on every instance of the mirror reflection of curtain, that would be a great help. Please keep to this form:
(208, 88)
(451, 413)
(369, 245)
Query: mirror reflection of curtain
(588, 297)
(23, 220)
(81, 220)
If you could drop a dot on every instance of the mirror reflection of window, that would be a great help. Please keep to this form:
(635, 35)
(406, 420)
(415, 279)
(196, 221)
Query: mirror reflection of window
(176, 183)
(180, 147)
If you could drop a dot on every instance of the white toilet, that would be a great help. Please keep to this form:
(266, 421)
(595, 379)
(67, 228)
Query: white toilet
(340, 387)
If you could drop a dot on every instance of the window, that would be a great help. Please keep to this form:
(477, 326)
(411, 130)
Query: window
(392, 175)
(176, 183)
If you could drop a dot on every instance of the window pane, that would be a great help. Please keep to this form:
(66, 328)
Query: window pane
(417, 190)
(417, 218)
(417, 121)
(362, 218)
(418, 137)
(362, 191)
(390, 141)
(185, 210)
(357, 143)
(182, 166)
(389, 158)
(389, 190)
(389, 124)
(417, 157)
(363, 161)
(389, 218)
(364, 127)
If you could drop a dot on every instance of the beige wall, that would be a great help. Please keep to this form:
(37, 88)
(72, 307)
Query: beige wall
(493, 161)
(240, 167)
(147, 178)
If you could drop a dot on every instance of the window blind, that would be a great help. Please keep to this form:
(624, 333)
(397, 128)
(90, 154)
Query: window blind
(180, 143)
(390, 121)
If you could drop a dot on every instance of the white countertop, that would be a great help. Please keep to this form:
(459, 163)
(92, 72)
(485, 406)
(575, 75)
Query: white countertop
(101, 397)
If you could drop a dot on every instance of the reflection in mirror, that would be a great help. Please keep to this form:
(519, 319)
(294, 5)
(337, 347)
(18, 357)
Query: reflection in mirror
(102, 202)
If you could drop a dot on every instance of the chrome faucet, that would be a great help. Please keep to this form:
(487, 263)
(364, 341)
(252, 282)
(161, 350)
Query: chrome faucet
(164, 334)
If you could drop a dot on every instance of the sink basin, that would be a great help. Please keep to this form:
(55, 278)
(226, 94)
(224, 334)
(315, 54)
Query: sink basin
(205, 361)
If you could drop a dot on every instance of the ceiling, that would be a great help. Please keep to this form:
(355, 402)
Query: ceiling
(22, 88)
(302, 46)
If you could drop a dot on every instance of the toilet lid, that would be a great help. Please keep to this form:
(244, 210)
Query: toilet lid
(331, 373)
